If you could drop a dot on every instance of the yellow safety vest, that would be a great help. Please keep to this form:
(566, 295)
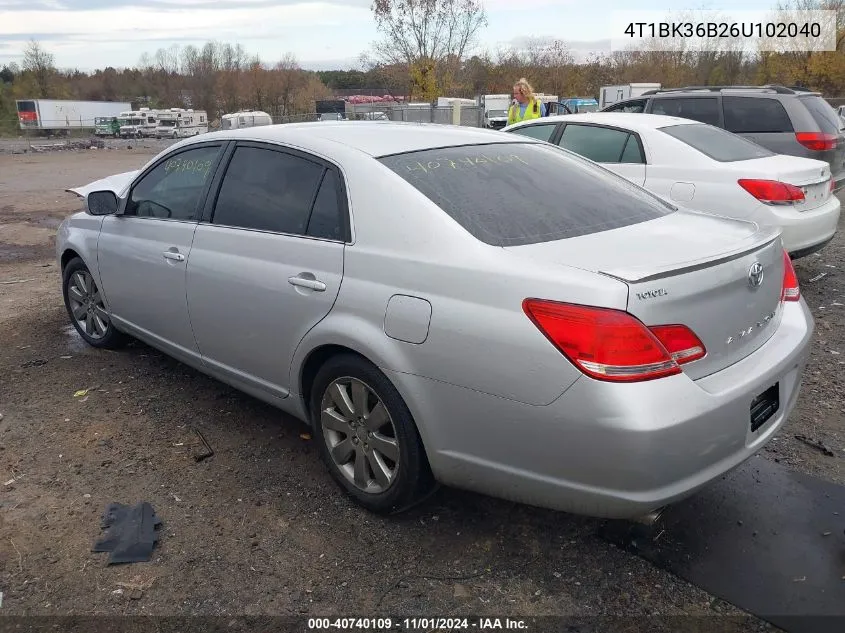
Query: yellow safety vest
(532, 111)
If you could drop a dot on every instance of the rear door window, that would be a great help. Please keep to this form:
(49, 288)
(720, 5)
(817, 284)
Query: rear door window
(823, 114)
(512, 194)
(601, 144)
(716, 143)
(704, 109)
(755, 115)
(268, 190)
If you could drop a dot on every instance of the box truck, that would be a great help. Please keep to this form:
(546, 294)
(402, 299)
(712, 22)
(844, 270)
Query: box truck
(61, 116)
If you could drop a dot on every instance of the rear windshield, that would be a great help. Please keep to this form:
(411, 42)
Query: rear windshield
(823, 114)
(716, 143)
(524, 193)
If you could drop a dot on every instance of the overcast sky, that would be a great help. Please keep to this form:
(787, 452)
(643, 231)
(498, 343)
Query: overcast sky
(327, 34)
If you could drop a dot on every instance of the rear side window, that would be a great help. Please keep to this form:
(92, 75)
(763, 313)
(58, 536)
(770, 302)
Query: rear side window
(541, 132)
(267, 190)
(716, 143)
(525, 193)
(823, 114)
(601, 144)
(750, 115)
(703, 109)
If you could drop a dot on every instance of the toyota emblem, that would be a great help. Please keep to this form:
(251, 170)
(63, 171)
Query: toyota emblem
(755, 275)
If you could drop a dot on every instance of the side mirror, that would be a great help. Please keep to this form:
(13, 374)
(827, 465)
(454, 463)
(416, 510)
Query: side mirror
(102, 203)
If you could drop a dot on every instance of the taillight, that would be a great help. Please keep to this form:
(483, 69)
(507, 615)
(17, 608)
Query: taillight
(832, 185)
(613, 345)
(772, 191)
(681, 343)
(816, 141)
(790, 291)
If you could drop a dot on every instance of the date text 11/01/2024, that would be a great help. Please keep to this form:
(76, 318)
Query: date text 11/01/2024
(723, 29)
(416, 624)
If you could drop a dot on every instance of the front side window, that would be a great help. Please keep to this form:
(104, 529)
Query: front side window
(541, 132)
(637, 107)
(268, 190)
(172, 190)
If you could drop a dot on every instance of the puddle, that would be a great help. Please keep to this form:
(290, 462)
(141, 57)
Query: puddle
(75, 343)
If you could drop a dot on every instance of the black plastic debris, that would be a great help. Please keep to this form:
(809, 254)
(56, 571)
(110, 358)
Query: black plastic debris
(131, 535)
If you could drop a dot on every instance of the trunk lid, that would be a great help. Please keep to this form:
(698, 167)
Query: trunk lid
(691, 269)
(811, 176)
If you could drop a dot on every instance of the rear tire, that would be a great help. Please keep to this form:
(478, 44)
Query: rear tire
(367, 436)
(86, 308)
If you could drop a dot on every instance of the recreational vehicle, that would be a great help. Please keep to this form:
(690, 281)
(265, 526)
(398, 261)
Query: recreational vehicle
(180, 123)
(245, 118)
(138, 123)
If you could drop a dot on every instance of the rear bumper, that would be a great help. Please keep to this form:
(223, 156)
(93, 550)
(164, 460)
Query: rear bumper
(809, 230)
(610, 450)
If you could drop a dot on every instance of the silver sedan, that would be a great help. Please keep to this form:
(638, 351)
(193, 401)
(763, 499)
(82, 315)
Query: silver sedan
(449, 305)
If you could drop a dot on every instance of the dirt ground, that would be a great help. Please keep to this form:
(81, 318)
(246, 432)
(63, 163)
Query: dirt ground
(260, 528)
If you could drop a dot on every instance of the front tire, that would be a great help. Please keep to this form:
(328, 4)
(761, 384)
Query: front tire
(367, 436)
(86, 308)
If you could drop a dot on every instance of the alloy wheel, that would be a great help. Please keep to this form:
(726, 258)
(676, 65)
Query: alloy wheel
(360, 435)
(86, 305)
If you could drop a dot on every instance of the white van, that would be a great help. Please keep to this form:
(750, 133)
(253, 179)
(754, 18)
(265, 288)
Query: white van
(244, 118)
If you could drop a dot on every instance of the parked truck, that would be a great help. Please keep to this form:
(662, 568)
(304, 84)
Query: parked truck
(330, 109)
(61, 116)
(106, 126)
(613, 94)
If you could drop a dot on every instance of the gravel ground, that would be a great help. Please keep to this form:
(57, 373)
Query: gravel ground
(260, 528)
(38, 145)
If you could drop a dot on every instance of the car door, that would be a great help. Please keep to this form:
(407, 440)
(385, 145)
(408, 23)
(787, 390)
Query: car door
(266, 263)
(614, 148)
(143, 250)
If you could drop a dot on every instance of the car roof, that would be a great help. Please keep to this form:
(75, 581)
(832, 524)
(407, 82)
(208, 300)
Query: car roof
(375, 138)
(630, 120)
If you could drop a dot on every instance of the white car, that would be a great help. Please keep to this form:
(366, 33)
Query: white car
(704, 168)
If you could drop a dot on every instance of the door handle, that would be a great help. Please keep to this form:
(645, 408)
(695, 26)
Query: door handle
(304, 282)
(179, 257)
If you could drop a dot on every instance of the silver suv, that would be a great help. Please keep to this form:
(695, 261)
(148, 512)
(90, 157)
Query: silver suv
(789, 121)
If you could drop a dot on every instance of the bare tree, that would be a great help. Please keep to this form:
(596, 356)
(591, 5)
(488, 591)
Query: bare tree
(41, 64)
(427, 35)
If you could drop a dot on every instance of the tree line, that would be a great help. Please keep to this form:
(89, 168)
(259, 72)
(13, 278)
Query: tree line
(429, 48)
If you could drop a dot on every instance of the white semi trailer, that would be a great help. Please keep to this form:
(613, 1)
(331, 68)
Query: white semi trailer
(61, 116)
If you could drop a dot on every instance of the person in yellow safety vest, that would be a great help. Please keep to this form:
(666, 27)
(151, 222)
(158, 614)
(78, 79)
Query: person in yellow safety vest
(525, 105)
